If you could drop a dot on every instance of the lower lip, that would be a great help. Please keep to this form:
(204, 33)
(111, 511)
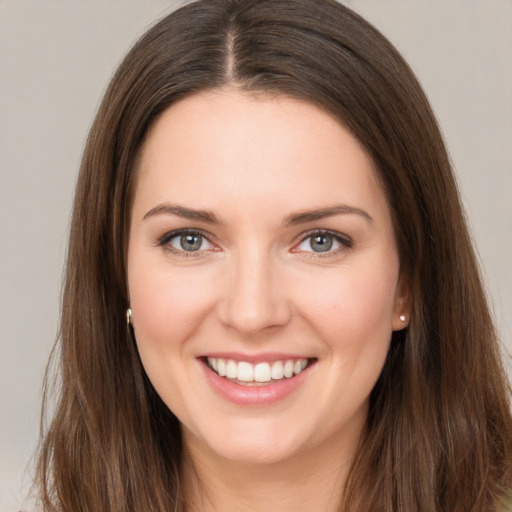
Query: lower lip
(254, 395)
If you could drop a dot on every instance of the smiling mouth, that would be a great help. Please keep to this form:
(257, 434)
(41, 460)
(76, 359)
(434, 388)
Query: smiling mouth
(248, 374)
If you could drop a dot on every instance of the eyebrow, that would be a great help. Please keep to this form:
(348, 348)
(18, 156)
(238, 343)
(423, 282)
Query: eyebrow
(321, 213)
(181, 211)
(291, 220)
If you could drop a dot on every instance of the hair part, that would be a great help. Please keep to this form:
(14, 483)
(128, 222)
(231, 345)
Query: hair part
(439, 433)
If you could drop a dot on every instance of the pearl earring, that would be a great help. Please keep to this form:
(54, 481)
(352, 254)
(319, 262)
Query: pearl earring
(402, 318)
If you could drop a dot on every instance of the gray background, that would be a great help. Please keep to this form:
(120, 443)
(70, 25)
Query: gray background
(56, 58)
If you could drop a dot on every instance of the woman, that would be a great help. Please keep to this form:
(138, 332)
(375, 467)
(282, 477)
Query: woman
(271, 298)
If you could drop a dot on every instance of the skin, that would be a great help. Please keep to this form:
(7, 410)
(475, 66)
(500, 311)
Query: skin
(257, 286)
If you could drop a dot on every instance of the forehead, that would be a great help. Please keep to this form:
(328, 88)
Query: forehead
(227, 145)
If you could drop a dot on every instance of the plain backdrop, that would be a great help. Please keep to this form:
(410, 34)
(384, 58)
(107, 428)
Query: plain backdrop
(56, 58)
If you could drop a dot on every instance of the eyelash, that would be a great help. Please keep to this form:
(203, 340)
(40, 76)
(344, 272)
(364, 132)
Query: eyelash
(344, 241)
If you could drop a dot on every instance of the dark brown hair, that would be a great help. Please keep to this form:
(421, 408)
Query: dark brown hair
(439, 432)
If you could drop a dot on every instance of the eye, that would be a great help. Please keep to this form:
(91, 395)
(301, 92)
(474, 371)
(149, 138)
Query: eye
(323, 242)
(186, 241)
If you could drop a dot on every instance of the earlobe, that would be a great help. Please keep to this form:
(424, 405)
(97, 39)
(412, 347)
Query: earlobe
(402, 311)
(401, 317)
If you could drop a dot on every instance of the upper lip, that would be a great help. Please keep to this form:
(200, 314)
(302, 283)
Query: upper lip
(265, 357)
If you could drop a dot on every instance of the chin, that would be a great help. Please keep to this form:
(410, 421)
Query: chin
(253, 446)
(255, 454)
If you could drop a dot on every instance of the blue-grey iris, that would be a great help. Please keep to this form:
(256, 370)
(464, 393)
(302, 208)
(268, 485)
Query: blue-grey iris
(191, 242)
(321, 243)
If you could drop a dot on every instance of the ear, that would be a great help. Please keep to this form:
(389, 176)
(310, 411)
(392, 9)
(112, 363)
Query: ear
(402, 307)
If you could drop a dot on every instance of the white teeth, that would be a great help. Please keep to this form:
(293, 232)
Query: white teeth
(245, 372)
(221, 367)
(277, 370)
(288, 369)
(260, 372)
(231, 369)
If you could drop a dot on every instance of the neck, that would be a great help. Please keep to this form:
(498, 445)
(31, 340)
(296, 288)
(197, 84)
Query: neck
(309, 481)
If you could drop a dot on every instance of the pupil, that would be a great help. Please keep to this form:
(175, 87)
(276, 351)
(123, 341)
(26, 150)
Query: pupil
(191, 242)
(321, 243)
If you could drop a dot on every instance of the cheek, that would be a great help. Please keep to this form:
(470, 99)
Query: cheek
(353, 308)
(168, 309)
(167, 306)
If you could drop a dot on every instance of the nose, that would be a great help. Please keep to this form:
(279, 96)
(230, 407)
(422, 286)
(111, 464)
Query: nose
(254, 298)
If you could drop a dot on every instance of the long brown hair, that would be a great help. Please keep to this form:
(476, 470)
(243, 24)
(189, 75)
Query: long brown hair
(439, 432)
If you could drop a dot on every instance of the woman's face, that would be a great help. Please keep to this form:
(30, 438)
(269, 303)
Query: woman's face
(263, 274)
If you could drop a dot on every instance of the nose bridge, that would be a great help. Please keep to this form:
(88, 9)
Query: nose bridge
(254, 299)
